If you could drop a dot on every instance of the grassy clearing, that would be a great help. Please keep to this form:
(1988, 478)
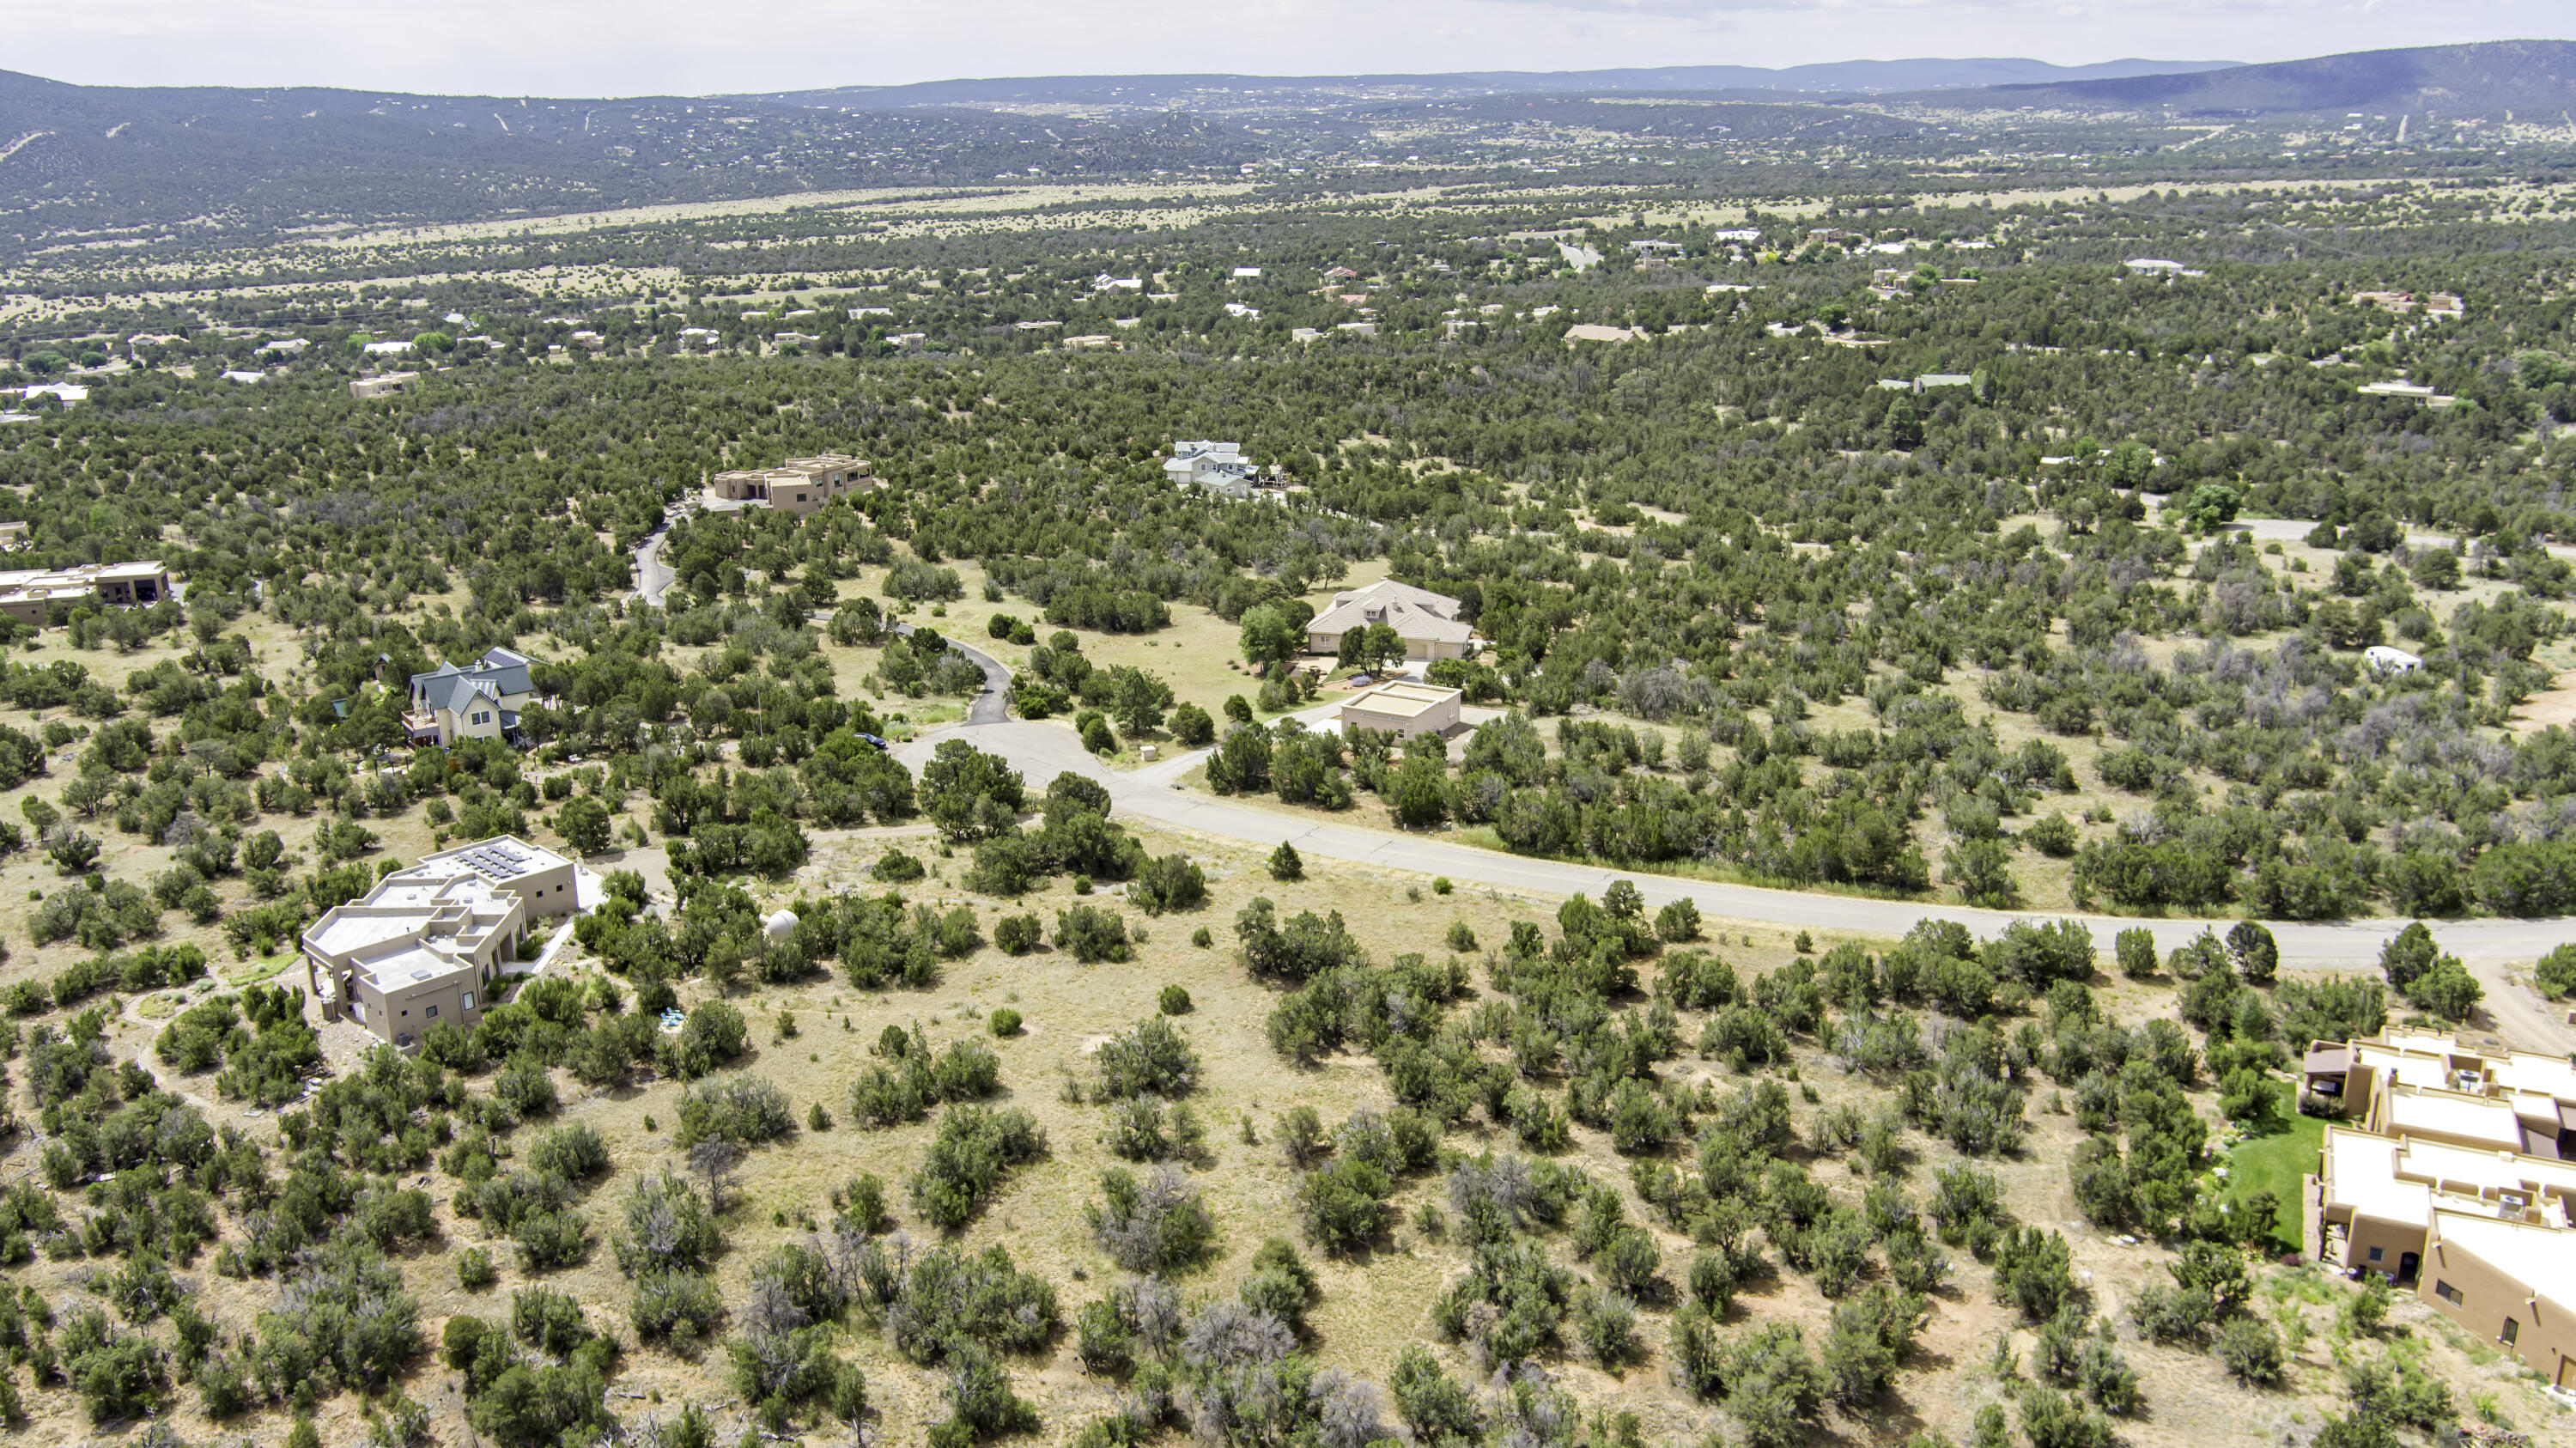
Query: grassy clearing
(2277, 1162)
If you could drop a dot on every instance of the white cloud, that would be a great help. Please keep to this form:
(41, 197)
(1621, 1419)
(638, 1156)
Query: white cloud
(628, 47)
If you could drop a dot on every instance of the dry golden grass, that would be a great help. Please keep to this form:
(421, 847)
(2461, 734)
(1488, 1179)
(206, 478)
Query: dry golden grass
(1371, 1306)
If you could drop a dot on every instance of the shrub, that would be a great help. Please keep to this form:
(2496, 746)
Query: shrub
(2052, 835)
(2034, 1271)
(2136, 948)
(1150, 1059)
(973, 1151)
(2252, 1351)
(2555, 975)
(1018, 934)
(897, 867)
(1091, 934)
(1005, 1022)
(1158, 1225)
(671, 1303)
(474, 1270)
(668, 1228)
(746, 1111)
(1285, 863)
(1168, 883)
(1676, 922)
(1173, 1001)
(1343, 1206)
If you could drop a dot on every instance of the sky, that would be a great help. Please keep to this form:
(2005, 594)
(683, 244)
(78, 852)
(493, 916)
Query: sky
(639, 47)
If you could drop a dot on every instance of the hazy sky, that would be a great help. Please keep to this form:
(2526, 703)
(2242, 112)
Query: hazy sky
(629, 47)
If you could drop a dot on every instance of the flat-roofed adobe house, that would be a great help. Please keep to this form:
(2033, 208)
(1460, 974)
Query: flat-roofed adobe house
(28, 595)
(2510, 1282)
(798, 485)
(427, 943)
(2376, 1196)
(480, 700)
(2430, 1085)
(1427, 622)
(2455, 1174)
(1403, 710)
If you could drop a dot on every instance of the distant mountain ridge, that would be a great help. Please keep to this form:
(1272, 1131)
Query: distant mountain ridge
(1832, 77)
(2458, 79)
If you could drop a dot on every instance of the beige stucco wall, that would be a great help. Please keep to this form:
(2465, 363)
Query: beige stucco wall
(2546, 1331)
(1438, 719)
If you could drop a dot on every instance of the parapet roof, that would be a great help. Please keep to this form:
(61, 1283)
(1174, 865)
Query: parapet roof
(1404, 701)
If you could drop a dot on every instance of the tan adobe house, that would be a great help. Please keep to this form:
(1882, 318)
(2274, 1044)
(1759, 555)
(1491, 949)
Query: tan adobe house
(1427, 622)
(2377, 1195)
(480, 700)
(2453, 1173)
(798, 485)
(2427, 1084)
(2512, 1283)
(427, 943)
(1403, 710)
(27, 595)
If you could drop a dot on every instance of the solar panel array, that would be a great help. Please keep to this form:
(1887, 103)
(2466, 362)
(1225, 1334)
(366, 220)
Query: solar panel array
(500, 861)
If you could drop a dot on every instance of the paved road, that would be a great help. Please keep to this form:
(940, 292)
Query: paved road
(653, 577)
(1041, 751)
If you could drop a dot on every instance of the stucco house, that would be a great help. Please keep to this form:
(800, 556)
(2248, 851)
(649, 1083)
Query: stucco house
(427, 943)
(1427, 622)
(798, 485)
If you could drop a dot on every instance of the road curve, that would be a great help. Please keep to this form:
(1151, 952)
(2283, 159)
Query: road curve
(1041, 751)
(653, 577)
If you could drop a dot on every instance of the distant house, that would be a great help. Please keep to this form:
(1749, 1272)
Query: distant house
(798, 485)
(240, 376)
(385, 385)
(2153, 266)
(480, 700)
(1403, 710)
(1427, 622)
(1214, 467)
(28, 595)
(793, 339)
(1594, 332)
(1931, 380)
(2381, 659)
(288, 345)
(2407, 391)
(1246, 273)
(386, 349)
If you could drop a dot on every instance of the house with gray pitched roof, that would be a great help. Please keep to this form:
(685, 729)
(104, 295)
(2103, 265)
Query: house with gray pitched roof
(480, 700)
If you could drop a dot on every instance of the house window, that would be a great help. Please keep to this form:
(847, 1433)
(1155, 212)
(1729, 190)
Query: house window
(2512, 1330)
(2450, 1294)
(2376, 1253)
(469, 1000)
(432, 1012)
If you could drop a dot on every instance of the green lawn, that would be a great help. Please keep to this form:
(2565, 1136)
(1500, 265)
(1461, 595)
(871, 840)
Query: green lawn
(2278, 1161)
